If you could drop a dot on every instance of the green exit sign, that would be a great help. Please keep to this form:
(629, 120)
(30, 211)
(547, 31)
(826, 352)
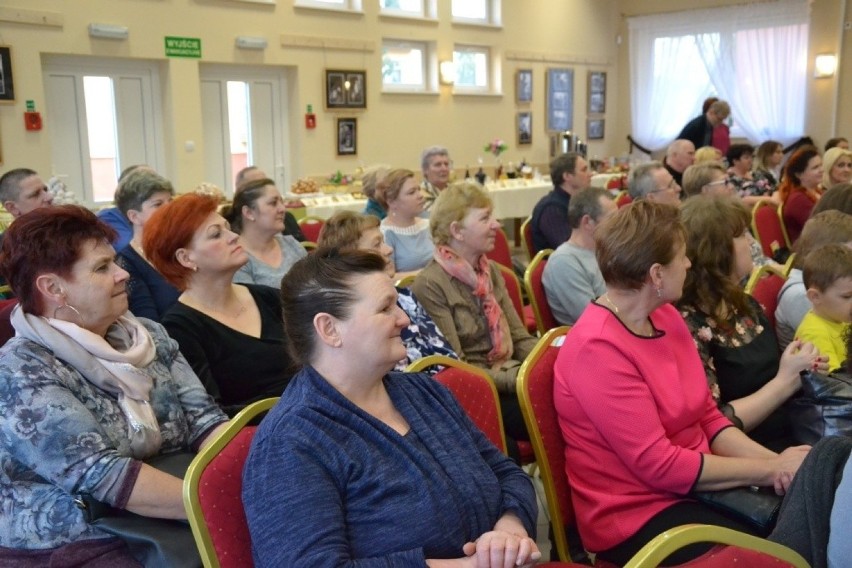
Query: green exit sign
(183, 47)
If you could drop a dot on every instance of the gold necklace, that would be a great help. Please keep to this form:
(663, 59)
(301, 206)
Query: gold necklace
(615, 308)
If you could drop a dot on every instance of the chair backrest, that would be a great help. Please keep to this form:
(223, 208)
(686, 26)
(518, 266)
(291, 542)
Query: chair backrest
(741, 549)
(513, 287)
(623, 198)
(474, 390)
(526, 234)
(763, 285)
(535, 292)
(212, 493)
(501, 254)
(535, 393)
(311, 227)
(780, 211)
(405, 281)
(768, 228)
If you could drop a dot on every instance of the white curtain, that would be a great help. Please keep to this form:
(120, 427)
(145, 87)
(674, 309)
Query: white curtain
(753, 56)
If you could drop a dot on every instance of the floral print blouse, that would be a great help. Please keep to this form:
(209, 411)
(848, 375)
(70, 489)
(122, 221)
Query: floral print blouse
(758, 185)
(63, 436)
(707, 333)
(422, 337)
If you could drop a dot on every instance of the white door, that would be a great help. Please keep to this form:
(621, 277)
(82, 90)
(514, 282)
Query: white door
(245, 121)
(103, 115)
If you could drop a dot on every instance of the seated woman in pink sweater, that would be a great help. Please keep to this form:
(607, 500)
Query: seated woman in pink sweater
(640, 426)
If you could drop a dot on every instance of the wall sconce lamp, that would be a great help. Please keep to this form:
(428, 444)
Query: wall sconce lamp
(249, 42)
(447, 72)
(108, 31)
(825, 65)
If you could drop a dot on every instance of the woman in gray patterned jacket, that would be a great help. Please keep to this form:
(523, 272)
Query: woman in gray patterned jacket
(87, 393)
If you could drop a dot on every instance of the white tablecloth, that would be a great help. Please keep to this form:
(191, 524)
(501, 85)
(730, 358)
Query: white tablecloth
(513, 198)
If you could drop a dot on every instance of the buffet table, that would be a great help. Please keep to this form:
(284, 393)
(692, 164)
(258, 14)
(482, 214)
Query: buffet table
(513, 198)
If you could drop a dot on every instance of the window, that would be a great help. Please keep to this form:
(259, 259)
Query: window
(472, 66)
(340, 5)
(424, 9)
(752, 56)
(482, 12)
(406, 66)
(105, 117)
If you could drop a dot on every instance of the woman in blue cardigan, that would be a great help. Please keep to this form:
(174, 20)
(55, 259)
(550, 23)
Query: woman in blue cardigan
(356, 465)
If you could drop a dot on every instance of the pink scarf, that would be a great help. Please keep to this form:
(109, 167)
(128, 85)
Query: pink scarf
(479, 281)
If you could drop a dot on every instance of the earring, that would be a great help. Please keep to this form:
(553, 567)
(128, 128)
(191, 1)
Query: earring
(70, 307)
(195, 268)
(659, 291)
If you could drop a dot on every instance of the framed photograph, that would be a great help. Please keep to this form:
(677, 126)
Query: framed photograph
(347, 136)
(560, 99)
(7, 83)
(524, 126)
(523, 86)
(595, 129)
(597, 92)
(345, 89)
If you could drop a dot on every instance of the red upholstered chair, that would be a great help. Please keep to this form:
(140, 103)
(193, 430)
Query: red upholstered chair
(513, 286)
(623, 198)
(741, 550)
(535, 292)
(535, 393)
(763, 285)
(474, 390)
(526, 233)
(768, 228)
(212, 493)
(7, 332)
(501, 253)
(311, 227)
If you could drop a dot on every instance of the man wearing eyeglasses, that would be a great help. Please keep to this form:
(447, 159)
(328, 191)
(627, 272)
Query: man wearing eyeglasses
(653, 182)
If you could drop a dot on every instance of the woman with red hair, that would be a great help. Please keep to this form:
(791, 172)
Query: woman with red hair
(799, 189)
(231, 334)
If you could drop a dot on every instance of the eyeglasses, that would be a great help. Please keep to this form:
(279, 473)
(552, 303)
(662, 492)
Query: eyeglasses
(718, 183)
(672, 186)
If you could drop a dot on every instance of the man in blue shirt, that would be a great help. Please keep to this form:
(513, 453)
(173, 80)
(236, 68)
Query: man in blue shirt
(570, 174)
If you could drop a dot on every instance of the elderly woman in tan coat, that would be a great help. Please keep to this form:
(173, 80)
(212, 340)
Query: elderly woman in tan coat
(465, 295)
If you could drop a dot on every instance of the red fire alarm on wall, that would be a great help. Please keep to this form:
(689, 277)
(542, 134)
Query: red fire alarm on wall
(32, 120)
(310, 118)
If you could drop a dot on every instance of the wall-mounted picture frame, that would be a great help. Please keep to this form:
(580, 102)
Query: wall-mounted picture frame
(594, 129)
(524, 127)
(560, 99)
(347, 136)
(523, 86)
(597, 92)
(7, 82)
(345, 89)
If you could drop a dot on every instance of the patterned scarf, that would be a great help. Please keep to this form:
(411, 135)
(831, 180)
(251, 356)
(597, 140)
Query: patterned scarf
(479, 281)
(115, 363)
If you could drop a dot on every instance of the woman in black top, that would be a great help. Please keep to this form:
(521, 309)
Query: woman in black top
(231, 334)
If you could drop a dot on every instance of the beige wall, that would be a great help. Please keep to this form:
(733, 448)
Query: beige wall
(826, 114)
(393, 129)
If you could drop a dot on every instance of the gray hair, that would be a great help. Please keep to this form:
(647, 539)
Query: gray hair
(677, 146)
(430, 153)
(137, 187)
(642, 179)
(587, 202)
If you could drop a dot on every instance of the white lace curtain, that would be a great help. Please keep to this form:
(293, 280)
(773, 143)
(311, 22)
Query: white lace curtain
(753, 56)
